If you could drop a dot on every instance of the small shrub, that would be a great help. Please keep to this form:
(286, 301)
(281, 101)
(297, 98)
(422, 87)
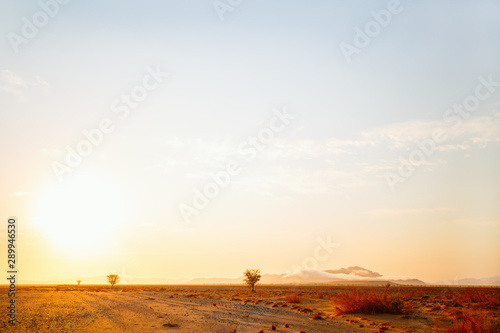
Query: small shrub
(293, 298)
(466, 322)
(318, 315)
(320, 295)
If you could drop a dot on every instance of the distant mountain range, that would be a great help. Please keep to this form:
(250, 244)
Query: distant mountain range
(353, 275)
(491, 281)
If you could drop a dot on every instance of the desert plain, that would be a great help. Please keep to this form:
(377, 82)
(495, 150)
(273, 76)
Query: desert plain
(224, 309)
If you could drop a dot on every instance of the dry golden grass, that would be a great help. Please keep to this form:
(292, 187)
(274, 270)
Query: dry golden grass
(293, 298)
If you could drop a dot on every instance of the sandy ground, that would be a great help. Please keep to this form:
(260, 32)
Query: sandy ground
(104, 309)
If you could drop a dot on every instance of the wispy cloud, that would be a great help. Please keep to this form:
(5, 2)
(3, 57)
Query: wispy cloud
(313, 166)
(12, 83)
(476, 131)
(52, 153)
(473, 132)
(20, 194)
(300, 181)
(407, 211)
(192, 156)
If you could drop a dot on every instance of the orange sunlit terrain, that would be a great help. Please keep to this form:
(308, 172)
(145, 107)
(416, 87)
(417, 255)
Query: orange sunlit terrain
(155, 308)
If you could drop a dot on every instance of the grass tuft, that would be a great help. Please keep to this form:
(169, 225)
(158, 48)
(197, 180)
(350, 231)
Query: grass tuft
(293, 298)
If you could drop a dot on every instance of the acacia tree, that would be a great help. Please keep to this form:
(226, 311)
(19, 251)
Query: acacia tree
(113, 279)
(78, 281)
(252, 276)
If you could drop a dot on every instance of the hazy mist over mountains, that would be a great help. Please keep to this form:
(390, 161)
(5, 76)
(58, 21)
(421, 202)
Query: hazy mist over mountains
(353, 275)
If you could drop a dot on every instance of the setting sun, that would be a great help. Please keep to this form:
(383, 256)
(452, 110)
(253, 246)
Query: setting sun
(81, 214)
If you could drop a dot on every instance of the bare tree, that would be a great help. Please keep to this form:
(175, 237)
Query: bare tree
(252, 276)
(113, 279)
(78, 281)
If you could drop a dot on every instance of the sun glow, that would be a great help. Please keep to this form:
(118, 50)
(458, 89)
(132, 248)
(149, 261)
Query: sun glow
(80, 214)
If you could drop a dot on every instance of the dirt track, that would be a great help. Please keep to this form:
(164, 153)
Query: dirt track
(114, 310)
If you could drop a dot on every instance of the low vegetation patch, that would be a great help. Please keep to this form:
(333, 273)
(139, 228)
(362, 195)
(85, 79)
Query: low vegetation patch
(369, 302)
(472, 321)
(479, 298)
(293, 298)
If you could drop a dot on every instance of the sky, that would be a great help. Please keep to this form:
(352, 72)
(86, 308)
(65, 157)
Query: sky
(181, 139)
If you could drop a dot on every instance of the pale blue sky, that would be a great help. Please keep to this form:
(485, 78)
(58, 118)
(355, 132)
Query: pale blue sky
(324, 174)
